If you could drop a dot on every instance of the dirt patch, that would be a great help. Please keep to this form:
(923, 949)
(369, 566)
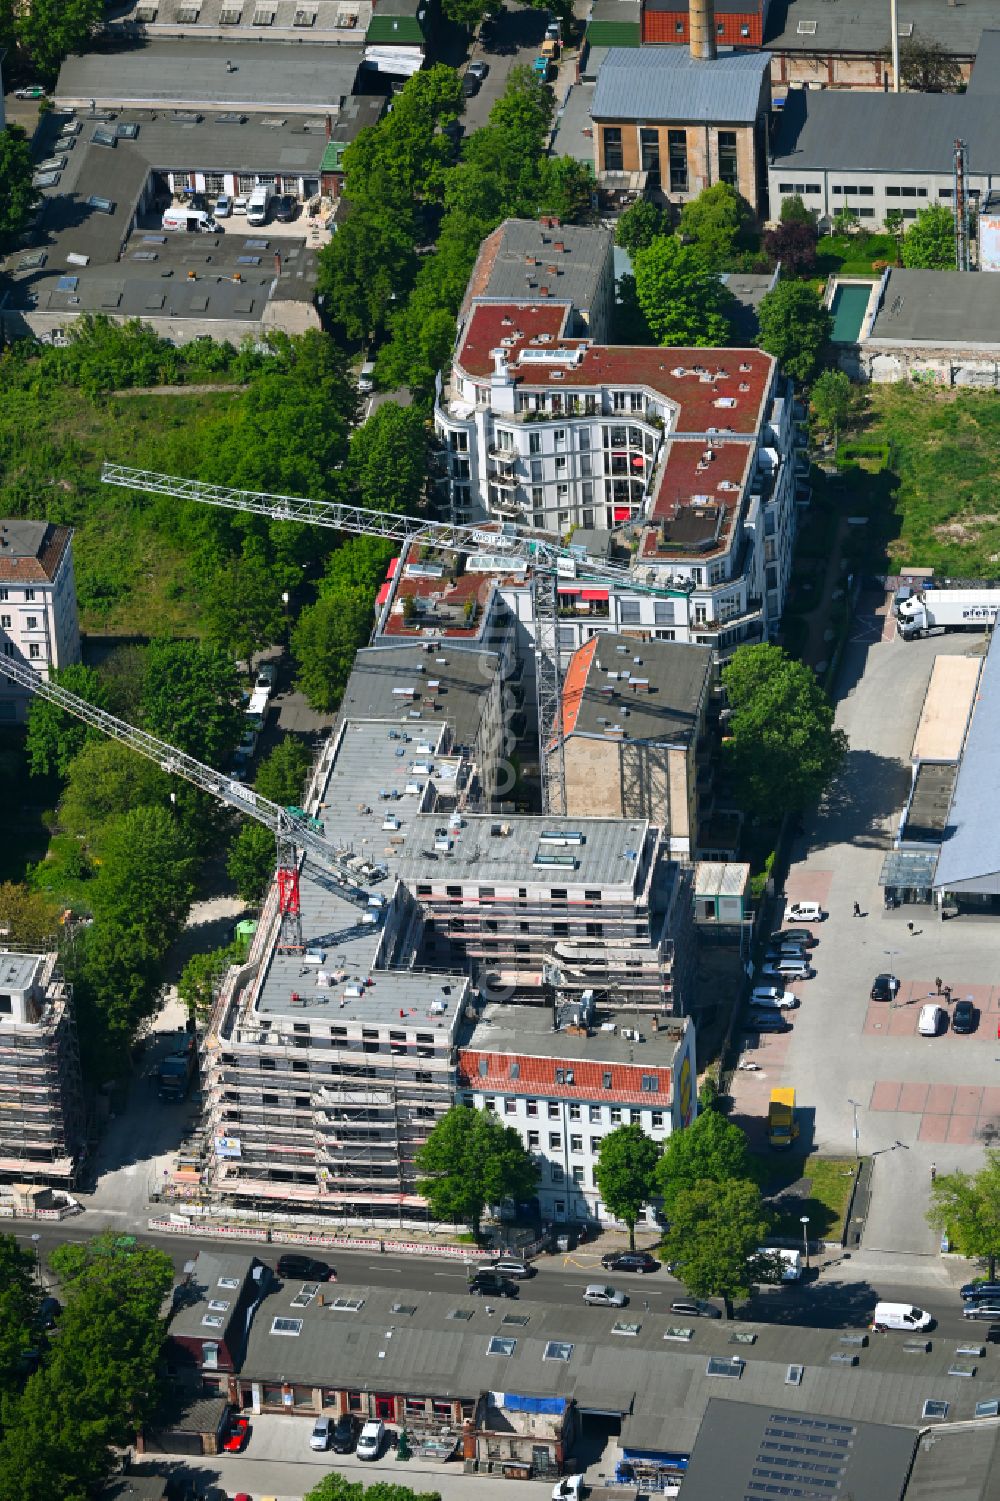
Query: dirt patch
(966, 530)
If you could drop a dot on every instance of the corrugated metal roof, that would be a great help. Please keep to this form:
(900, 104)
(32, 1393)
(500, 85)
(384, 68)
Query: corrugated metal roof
(667, 83)
(855, 131)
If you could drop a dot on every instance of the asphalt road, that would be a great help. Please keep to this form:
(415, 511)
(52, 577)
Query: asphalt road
(834, 1300)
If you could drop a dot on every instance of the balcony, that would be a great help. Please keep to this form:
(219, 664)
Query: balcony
(502, 478)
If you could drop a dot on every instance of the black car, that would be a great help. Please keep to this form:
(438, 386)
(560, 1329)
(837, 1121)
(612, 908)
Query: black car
(793, 937)
(884, 987)
(345, 1435)
(470, 85)
(767, 1021)
(965, 1017)
(981, 1289)
(629, 1261)
(284, 208)
(304, 1267)
(489, 1285)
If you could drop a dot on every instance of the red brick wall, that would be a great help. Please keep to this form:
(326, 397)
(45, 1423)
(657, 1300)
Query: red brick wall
(661, 26)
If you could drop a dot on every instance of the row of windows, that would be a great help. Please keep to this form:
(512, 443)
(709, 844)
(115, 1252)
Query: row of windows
(34, 650)
(618, 1115)
(677, 155)
(13, 595)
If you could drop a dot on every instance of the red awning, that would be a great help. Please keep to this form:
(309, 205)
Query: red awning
(391, 570)
(569, 589)
(382, 595)
(595, 593)
(622, 513)
(638, 461)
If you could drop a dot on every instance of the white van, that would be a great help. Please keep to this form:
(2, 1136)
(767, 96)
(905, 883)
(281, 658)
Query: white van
(190, 221)
(259, 204)
(899, 1316)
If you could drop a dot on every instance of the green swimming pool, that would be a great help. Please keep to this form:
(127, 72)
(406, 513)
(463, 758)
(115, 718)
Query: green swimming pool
(848, 308)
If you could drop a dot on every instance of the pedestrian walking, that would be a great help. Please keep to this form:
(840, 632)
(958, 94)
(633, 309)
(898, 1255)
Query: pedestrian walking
(910, 926)
(857, 909)
(933, 1171)
(937, 984)
(947, 995)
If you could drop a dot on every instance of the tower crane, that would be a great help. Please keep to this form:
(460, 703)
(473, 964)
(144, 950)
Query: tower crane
(549, 561)
(293, 831)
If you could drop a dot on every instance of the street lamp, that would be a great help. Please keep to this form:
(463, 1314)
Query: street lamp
(804, 1221)
(38, 1265)
(891, 954)
(857, 1133)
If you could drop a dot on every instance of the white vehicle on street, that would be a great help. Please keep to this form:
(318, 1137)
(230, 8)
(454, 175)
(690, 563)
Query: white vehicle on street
(932, 1020)
(602, 1296)
(772, 997)
(371, 1439)
(803, 912)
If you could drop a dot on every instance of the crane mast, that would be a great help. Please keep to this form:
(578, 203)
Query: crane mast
(548, 562)
(292, 832)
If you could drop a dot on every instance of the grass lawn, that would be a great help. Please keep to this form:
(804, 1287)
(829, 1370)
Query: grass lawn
(853, 254)
(817, 1186)
(944, 447)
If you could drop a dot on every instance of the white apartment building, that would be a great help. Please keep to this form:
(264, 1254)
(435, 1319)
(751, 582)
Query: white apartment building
(42, 1128)
(564, 1084)
(38, 613)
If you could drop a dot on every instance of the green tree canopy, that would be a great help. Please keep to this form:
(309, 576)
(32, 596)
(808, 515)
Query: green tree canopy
(107, 778)
(325, 640)
(190, 698)
(146, 879)
(116, 979)
(793, 244)
(781, 742)
(710, 1150)
(794, 211)
(714, 222)
(49, 30)
(830, 400)
(471, 1160)
(795, 327)
(387, 465)
(404, 158)
(17, 196)
(366, 269)
(201, 977)
(625, 1174)
(19, 1298)
(243, 604)
(281, 776)
(566, 189)
(929, 243)
(30, 918)
(54, 737)
(682, 298)
(640, 224)
(926, 65)
(338, 1487)
(967, 1205)
(251, 861)
(715, 1232)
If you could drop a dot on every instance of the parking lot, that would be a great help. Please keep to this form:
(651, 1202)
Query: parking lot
(512, 41)
(918, 1100)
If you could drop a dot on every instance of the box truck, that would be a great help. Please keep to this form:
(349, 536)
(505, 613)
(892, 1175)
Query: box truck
(782, 1127)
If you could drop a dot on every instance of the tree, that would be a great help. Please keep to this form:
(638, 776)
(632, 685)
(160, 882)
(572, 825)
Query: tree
(404, 158)
(682, 298)
(624, 1174)
(28, 918)
(830, 400)
(967, 1206)
(107, 778)
(54, 737)
(715, 1232)
(472, 1160)
(846, 221)
(190, 698)
(368, 267)
(282, 775)
(794, 245)
(640, 224)
(566, 189)
(929, 243)
(17, 196)
(49, 30)
(781, 743)
(325, 640)
(116, 985)
(146, 880)
(795, 327)
(387, 463)
(336, 1487)
(710, 1150)
(926, 65)
(794, 211)
(201, 977)
(243, 604)
(250, 862)
(714, 221)
(19, 1298)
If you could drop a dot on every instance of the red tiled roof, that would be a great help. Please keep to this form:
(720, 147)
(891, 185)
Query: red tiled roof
(687, 478)
(694, 393)
(483, 269)
(43, 566)
(575, 682)
(539, 1074)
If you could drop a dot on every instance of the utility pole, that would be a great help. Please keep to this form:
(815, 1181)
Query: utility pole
(960, 199)
(894, 29)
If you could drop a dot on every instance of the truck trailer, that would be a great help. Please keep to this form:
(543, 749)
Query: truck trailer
(176, 1072)
(782, 1127)
(930, 611)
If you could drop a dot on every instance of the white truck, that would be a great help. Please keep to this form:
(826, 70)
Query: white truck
(936, 610)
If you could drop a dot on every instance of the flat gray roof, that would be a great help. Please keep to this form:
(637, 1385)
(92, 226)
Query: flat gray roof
(970, 849)
(785, 1451)
(530, 1030)
(611, 854)
(573, 128)
(194, 75)
(667, 83)
(842, 130)
(927, 814)
(19, 971)
(203, 1287)
(665, 712)
(500, 269)
(464, 679)
(938, 307)
(862, 26)
(960, 1464)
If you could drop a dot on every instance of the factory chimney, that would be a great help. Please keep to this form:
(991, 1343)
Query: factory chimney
(701, 19)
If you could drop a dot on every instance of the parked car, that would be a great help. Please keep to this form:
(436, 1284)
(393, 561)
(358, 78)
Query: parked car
(601, 1295)
(223, 206)
(568, 1488)
(235, 1439)
(802, 936)
(767, 1021)
(804, 912)
(695, 1308)
(294, 1265)
(285, 209)
(478, 69)
(489, 1285)
(267, 675)
(49, 1310)
(345, 1435)
(885, 988)
(470, 85)
(629, 1261)
(980, 1289)
(932, 1020)
(31, 91)
(772, 997)
(510, 1266)
(982, 1308)
(965, 1017)
(320, 1436)
(371, 1439)
(240, 203)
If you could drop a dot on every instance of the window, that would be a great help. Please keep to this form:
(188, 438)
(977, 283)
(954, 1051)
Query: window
(574, 1112)
(677, 152)
(555, 1141)
(616, 1115)
(595, 1112)
(4, 594)
(31, 622)
(728, 169)
(29, 596)
(531, 1107)
(552, 1107)
(534, 1141)
(557, 1350)
(509, 1106)
(664, 612)
(490, 1104)
(606, 1080)
(576, 1143)
(649, 150)
(290, 1327)
(578, 1176)
(534, 443)
(657, 1120)
(557, 1173)
(629, 611)
(595, 1145)
(5, 622)
(650, 1083)
(614, 159)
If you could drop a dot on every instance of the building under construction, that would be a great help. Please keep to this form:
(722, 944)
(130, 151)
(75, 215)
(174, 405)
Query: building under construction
(42, 1134)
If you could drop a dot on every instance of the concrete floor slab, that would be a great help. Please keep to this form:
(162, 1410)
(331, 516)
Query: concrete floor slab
(913, 1097)
(940, 1099)
(934, 1127)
